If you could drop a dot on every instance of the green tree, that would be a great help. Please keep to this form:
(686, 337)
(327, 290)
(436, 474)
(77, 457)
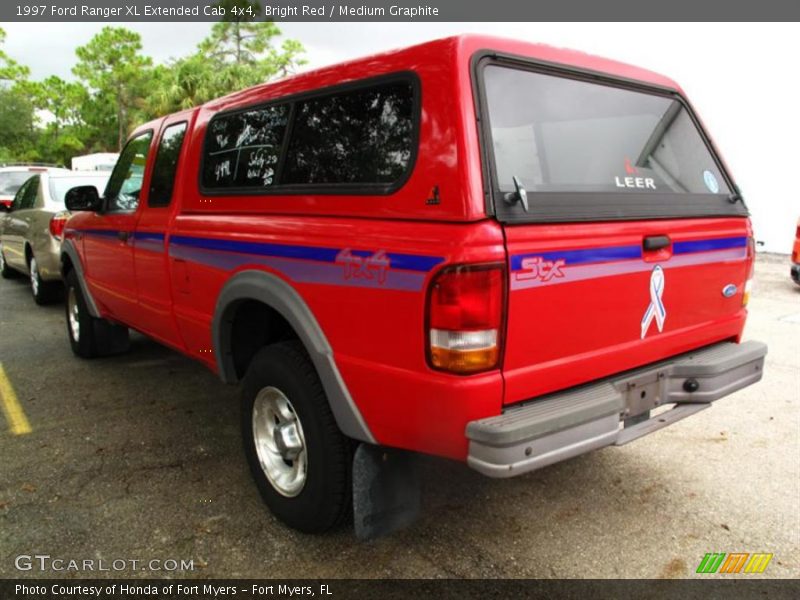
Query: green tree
(179, 85)
(61, 131)
(237, 38)
(10, 70)
(17, 112)
(17, 132)
(237, 54)
(243, 52)
(117, 87)
(113, 68)
(62, 99)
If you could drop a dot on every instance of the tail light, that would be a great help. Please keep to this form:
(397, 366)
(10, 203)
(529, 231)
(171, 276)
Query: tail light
(751, 269)
(57, 224)
(465, 318)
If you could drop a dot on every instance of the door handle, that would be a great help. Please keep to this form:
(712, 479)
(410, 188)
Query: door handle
(655, 242)
(123, 236)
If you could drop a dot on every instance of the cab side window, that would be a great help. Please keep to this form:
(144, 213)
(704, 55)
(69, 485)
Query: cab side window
(125, 184)
(169, 150)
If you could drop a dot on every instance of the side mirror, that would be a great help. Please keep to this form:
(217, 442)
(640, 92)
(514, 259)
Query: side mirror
(83, 197)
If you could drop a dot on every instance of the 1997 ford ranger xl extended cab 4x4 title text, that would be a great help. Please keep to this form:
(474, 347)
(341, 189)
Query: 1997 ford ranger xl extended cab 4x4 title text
(497, 252)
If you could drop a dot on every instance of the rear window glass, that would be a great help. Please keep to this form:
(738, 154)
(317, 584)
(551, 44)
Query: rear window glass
(359, 137)
(557, 134)
(59, 186)
(11, 181)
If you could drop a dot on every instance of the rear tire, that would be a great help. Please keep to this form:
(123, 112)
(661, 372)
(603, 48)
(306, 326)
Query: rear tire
(5, 271)
(44, 292)
(301, 462)
(90, 337)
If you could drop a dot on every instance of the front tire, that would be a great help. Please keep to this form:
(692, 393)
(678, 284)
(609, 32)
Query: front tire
(300, 460)
(44, 292)
(90, 337)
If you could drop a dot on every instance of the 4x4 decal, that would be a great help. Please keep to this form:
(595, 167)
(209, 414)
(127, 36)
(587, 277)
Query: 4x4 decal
(371, 266)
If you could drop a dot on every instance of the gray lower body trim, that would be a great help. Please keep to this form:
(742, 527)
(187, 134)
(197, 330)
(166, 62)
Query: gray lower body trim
(566, 424)
(281, 297)
(69, 249)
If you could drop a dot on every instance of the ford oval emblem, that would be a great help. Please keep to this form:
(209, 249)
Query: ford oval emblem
(729, 290)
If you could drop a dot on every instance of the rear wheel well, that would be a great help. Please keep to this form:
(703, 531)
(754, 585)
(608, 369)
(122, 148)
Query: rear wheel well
(253, 325)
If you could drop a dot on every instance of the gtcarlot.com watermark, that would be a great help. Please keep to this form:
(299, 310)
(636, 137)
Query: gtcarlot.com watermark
(47, 563)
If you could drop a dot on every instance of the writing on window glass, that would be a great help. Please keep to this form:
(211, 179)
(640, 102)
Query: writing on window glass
(243, 148)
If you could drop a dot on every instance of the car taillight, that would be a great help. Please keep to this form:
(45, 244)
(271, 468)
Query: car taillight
(751, 269)
(57, 224)
(465, 318)
(796, 250)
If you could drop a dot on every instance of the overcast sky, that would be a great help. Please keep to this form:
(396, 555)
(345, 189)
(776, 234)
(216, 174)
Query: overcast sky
(741, 78)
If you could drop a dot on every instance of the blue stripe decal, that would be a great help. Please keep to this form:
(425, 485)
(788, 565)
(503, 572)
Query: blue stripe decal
(582, 257)
(303, 271)
(406, 262)
(708, 245)
(413, 262)
(620, 253)
(149, 236)
(100, 232)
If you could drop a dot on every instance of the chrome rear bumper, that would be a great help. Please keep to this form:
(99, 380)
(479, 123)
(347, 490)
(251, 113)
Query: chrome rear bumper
(611, 411)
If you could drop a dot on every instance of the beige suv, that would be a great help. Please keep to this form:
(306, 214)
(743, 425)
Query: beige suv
(32, 228)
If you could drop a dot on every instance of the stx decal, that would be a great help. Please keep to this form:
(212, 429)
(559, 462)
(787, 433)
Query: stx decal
(538, 268)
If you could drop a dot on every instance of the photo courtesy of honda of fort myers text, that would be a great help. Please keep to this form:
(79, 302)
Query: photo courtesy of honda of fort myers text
(397, 304)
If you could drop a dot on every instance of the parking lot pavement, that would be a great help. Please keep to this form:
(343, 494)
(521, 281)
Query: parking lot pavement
(138, 457)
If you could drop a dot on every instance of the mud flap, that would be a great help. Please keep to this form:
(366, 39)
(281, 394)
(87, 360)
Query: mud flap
(111, 338)
(386, 491)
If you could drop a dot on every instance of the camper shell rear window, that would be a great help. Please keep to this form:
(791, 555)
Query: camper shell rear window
(590, 148)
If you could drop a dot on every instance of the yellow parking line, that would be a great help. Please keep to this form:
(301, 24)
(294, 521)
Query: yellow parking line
(17, 421)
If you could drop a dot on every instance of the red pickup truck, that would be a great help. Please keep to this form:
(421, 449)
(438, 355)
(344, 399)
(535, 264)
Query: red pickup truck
(502, 253)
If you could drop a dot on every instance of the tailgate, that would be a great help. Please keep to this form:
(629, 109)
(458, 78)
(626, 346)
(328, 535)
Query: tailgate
(627, 240)
(589, 300)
